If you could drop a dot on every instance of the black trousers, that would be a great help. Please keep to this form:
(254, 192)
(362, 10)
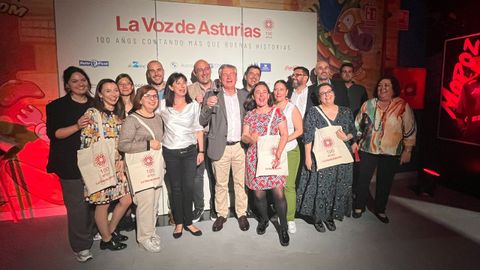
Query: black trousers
(79, 214)
(386, 167)
(181, 166)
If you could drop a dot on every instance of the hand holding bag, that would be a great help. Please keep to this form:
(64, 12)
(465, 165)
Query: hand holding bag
(328, 149)
(97, 162)
(145, 169)
(266, 148)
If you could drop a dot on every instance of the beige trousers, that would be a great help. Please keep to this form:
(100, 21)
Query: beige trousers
(146, 214)
(234, 158)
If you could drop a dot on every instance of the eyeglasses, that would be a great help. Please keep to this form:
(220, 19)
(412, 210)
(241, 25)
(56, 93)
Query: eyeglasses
(298, 75)
(152, 97)
(326, 93)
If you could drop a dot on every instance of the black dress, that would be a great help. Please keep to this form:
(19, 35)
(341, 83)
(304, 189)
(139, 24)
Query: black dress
(326, 194)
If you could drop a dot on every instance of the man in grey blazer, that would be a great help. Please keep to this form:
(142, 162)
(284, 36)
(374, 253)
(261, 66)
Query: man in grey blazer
(224, 112)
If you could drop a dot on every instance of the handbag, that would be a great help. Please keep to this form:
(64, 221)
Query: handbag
(97, 162)
(145, 169)
(266, 148)
(328, 149)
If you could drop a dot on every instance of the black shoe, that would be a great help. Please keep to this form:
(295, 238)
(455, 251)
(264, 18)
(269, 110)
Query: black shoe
(283, 236)
(197, 233)
(213, 215)
(243, 223)
(177, 235)
(197, 215)
(119, 237)
(319, 227)
(330, 224)
(383, 218)
(112, 245)
(356, 214)
(218, 224)
(262, 227)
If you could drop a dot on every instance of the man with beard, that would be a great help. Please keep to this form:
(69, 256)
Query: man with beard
(155, 74)
(301, 95)
(251, 77)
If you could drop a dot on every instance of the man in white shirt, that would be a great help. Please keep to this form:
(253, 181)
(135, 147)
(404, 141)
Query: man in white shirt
(224, 113)
(301, 95)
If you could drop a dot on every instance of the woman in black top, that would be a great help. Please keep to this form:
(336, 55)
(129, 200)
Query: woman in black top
(65, 119)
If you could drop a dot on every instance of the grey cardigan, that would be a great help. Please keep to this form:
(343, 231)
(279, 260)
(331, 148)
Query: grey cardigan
(134, 137)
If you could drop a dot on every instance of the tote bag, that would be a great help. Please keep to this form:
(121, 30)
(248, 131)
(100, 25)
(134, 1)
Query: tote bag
(97, 162)
(328, 149)
(145, 169)
(266, 148)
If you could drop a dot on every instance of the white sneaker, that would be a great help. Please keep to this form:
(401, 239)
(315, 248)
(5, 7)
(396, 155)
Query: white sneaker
(292, 228)
(97, 237)
(151, 245)
(156, 239)
(83, 255)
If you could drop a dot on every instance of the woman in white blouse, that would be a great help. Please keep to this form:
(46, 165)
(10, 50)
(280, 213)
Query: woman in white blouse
(183, 149)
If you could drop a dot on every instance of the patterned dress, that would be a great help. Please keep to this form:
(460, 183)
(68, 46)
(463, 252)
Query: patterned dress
(326, 194)
(89, 135)
(258, 122)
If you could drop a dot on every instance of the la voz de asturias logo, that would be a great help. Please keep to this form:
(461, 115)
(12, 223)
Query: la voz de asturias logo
(93, 63)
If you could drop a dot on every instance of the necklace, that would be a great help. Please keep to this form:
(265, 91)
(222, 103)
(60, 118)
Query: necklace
(380, 125)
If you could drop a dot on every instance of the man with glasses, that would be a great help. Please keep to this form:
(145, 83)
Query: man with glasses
(301, 95)
(202, 72)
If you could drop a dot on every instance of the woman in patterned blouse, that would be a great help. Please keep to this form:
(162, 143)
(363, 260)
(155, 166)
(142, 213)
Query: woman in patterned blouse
(107, 104)
(386, 126)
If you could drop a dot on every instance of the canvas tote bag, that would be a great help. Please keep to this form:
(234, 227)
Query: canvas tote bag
(145, 169)
(328, 149)
(266, 148)
(97, 162)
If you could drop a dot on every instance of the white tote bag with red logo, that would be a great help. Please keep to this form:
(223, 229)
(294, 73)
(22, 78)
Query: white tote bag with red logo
(328, 149)
(266, 149)
(97, 162)
(145, 169)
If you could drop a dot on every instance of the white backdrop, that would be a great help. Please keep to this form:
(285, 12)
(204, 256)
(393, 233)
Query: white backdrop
(110, 37)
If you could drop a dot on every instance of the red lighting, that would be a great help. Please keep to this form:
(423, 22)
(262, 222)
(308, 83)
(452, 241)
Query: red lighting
(431, 172)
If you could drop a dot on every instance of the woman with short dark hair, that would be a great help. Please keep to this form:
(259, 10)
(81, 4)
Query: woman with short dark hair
(136, 138)
(183, 150)
(387, 130)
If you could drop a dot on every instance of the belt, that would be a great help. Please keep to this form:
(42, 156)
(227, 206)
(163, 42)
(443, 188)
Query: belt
(232, 143)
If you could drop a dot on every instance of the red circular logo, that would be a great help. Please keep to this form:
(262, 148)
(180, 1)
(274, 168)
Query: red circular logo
(268, 23)
(328, 142)
(100, 160)
(148, 161)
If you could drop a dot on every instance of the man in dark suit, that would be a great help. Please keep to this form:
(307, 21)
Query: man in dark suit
(224, 112)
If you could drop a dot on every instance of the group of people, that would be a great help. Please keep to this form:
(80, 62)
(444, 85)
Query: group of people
(211, 125)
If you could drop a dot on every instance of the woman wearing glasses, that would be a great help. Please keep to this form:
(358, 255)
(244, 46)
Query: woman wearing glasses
(135, 138)
(126, 87)
(326, 194)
